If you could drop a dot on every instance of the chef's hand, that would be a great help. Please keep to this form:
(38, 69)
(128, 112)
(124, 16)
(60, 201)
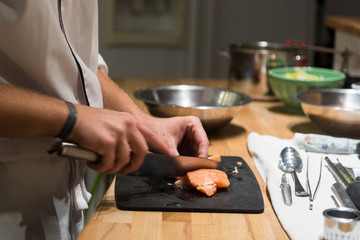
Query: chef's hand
(120, 139)
(182, 135)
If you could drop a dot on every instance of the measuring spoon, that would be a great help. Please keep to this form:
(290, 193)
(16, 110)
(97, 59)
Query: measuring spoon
(291, 162)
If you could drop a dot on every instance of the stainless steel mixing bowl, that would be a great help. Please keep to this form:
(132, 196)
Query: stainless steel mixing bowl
(214, 106)
(334, 111)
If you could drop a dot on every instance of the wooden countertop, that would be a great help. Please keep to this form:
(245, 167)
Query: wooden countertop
(269, 118)
(346, 24)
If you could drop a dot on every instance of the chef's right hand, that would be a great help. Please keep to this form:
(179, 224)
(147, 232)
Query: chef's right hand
(118, 137)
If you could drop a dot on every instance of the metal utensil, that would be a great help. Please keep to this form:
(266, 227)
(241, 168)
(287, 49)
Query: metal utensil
(351, 187)
(348, 177)
(179, 165)
(342, 196)
(312, 195)
(291, 162)
(286, 189)
(336, 174)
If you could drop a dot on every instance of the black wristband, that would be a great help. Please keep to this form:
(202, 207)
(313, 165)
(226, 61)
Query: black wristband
(70, 122)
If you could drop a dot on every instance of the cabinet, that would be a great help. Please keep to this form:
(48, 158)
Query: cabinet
(347, 34)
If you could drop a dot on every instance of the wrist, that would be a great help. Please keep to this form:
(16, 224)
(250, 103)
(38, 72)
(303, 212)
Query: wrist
(69, 123)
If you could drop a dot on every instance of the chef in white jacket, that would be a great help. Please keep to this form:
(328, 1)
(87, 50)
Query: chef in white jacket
(54, 83)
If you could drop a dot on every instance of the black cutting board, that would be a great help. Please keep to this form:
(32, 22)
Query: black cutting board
(152, 189)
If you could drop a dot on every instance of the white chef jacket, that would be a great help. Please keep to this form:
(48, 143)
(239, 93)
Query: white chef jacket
(50, 46)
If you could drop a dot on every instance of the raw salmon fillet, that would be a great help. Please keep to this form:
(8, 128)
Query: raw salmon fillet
(216, 158)
(205, 180)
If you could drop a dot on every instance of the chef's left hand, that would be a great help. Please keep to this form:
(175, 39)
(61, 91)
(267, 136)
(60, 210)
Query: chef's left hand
(182, 135)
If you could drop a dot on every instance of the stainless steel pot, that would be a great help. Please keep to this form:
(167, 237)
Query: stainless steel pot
(250, 61)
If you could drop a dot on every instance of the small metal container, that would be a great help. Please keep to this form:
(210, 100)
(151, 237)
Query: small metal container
(341, 223)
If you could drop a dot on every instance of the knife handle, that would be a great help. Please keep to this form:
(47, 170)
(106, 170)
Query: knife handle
(353, 190)
(74, 151)
(342, 196)
(286, 193)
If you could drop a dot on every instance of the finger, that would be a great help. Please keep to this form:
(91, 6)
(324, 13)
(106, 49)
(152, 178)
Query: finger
(200, 141)
(133, 165)
(202, 150)
(202, 144)
(106, 162)
(139, 149)
(157, 144)
(122, 156)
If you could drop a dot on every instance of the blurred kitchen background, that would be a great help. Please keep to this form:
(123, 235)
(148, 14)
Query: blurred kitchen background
(132, 43)
(182, 38)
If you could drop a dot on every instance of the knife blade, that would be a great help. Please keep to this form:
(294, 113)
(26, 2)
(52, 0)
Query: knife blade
(286, 189)
(336, 174)
(177, 165)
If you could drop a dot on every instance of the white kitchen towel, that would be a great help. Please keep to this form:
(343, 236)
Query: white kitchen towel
(298, 221)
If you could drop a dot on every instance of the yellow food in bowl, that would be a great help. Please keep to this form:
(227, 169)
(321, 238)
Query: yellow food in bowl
(287, 81)
(302, 76)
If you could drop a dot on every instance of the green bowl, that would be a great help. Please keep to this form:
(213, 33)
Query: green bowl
(285, 87)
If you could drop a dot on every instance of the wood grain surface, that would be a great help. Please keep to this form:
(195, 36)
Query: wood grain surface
(350, 25)
(263, 117)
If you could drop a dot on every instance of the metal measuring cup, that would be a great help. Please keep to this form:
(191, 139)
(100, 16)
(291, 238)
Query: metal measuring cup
(341, 223)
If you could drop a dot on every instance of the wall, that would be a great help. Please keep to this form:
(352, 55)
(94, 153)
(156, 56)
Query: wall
(348, 7)
(256, 20)
(211, 25)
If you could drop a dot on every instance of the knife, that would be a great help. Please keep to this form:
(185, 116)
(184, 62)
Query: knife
(342, 196)
(336, 174)
(346, 181)
(348, 177)
(286, 189)
(177, 165)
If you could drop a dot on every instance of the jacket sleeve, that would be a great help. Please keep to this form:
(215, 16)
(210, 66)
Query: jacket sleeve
(102, 64)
